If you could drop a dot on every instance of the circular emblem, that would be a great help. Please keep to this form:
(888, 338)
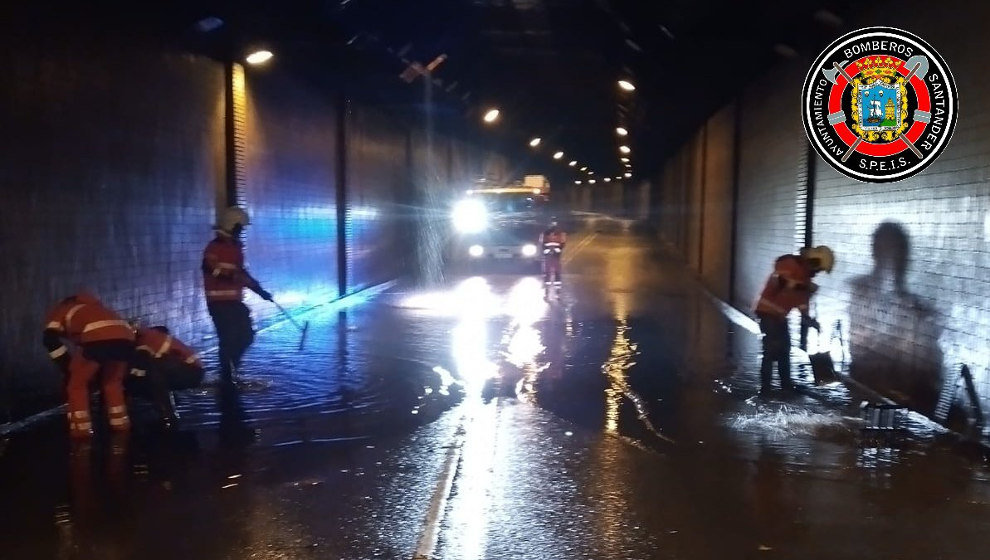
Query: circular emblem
(879, 104)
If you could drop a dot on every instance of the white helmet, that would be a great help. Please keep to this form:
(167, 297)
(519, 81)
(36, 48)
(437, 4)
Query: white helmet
(820, 257)
(231, 217)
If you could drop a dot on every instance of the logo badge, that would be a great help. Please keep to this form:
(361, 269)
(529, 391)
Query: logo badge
(879, 104)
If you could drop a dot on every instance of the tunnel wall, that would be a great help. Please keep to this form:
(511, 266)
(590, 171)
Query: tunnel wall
(716, 212)
(108, 178)
(290, 191)
(377, 177)
(910, 286)
(115, 168)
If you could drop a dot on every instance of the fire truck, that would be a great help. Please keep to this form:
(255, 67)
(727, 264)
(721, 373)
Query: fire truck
(501, 224)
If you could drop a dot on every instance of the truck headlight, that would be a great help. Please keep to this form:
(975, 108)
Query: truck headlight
(470, 216)
(529, 250)
(476, 250)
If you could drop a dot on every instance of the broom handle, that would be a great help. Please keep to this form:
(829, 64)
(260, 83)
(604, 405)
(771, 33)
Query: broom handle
(287, 316)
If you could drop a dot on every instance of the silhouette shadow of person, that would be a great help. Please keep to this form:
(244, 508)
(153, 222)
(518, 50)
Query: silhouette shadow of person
(894, 334)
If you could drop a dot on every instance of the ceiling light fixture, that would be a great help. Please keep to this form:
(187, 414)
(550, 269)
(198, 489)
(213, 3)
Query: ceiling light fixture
(259, 57)
(492, 115)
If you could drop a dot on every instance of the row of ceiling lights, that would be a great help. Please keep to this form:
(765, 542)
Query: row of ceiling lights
(493, 114)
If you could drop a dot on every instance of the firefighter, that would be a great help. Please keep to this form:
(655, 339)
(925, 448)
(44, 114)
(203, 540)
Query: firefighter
(552, 241)
(162, 364)
(789, 287)
(224, 279)
(102, 343)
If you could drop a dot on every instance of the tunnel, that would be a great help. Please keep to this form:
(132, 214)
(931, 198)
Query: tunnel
(494, 279)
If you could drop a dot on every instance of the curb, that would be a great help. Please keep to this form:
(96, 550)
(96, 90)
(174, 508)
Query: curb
(746, 322)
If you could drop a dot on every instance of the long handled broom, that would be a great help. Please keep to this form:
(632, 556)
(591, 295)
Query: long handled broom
(302, 328)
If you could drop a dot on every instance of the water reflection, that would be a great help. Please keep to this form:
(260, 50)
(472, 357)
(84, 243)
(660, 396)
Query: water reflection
(619, 360)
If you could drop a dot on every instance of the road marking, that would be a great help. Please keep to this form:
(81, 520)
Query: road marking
(580, 246)
(438, 502)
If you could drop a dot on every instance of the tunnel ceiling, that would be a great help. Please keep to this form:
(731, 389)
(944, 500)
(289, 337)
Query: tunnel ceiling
(550, 66)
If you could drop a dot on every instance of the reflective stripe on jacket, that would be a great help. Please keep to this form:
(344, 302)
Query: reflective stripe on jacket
(83, 319)
(157, 344)
(789, 287)
(223, 260)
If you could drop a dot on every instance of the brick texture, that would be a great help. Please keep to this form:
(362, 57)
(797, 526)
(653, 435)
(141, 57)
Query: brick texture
(289, 191)
(914, 310)
(108, 181)
(116, 169)
(910, 285)
(771, 151)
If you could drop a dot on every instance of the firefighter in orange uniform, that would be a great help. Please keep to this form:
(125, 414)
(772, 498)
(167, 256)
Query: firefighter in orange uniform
(224, 278)
(789, 287)
(102, 343)
(552, 242)
(162, 364)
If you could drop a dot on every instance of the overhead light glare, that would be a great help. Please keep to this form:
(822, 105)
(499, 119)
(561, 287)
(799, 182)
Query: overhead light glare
(621, 131)
(626, 85)
(492, 115)
(259, 57)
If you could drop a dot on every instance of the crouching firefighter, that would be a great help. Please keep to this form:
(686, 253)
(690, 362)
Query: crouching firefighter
(102, 343)
(789, 287)
(552, 241)
(224, 278)
(162, 364)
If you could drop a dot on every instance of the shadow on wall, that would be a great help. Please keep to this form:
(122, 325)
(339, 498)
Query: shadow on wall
(893, 334)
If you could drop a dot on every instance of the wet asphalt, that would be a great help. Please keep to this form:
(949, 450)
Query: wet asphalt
(476, 420)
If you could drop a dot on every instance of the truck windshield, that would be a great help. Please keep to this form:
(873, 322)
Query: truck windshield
(513, 203)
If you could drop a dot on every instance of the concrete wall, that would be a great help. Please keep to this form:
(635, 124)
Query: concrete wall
(716, 212)
(115, 168)
(378, 175)
(911, 281)
(290, 191)
(107, 176)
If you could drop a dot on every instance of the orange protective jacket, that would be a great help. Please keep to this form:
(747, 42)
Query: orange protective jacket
(82, 319)
(224, 277)
(553, 241)
(154, 344)
(789, 287)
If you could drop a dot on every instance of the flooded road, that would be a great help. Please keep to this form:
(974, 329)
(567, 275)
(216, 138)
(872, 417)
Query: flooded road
(477, 420)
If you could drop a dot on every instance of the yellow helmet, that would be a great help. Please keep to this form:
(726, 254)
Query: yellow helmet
(820, 257)
(231, 217)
